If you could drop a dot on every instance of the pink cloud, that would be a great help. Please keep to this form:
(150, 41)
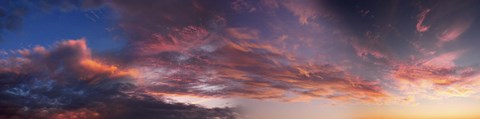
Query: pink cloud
(455, 30)
(436, 77)
(420, 19)
(373, 45)
(445, 60)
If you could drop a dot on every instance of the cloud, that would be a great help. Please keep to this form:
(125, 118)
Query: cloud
(454, 30)
(142, 20)
(306, 11)
(445, 59)
(421, 18)
(265, 50)
(243, 33)
(197, 50)
(437, 77)
(204, 50)
(446, 24)
(373, 45)
(230, 66)
(66, 81)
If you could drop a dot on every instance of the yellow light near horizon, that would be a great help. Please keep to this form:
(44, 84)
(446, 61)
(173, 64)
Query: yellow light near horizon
(445, 111)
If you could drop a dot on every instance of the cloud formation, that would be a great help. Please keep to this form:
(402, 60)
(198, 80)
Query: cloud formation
(238, 68)
(421, 18)
(65, 81)
(211, 58)
(346, 51)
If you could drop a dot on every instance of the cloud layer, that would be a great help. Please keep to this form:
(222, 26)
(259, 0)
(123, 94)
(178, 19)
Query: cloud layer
(298, 51)
(66, 82)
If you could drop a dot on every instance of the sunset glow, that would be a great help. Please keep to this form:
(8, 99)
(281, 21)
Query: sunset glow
(239, 59)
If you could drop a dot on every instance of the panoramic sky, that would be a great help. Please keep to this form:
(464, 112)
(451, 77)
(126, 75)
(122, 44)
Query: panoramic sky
(246, 59)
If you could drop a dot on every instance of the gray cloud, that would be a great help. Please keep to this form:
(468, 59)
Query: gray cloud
(65, 82)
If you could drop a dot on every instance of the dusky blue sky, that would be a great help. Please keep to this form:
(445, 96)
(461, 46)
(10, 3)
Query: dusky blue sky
(46, 26)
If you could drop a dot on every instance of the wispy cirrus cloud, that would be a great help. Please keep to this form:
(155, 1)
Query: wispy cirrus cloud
(437, 77)
(421, 19)
(455, 30)
(240, 68)
(211, 58)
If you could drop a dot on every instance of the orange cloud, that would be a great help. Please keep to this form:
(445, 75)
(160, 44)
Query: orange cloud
(94, 66)
(77, 114)
(66, 81)
(71, 55)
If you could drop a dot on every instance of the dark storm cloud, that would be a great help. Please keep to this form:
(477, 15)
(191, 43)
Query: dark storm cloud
(198, 50)
(66, 82)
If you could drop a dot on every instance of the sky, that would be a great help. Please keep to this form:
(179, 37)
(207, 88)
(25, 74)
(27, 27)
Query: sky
(246, 59)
